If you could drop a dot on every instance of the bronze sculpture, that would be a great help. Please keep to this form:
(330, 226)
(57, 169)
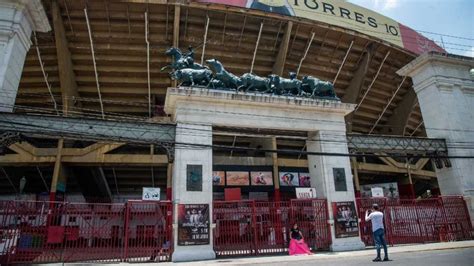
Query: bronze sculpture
(215, 76)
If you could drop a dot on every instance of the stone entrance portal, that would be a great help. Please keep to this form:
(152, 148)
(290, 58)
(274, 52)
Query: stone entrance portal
(196, 111)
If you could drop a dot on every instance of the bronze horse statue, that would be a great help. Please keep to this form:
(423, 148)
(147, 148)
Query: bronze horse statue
(229, 80)
(181, 60)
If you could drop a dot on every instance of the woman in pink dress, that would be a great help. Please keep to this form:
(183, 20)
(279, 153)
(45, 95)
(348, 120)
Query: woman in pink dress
(297, 244)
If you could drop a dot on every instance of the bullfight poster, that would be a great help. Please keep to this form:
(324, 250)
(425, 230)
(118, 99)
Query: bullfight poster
(345, 219)
(193, 224)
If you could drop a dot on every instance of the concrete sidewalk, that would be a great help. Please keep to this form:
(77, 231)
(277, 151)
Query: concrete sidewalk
(327, 255)
(251, 260)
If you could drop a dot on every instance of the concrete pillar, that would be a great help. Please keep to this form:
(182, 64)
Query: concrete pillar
(321, 169)
(184, 157)
(18, 19)
(445, 91)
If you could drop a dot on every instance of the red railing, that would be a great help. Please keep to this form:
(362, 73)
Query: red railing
(249, 227)
(41, 232)
(418, 221)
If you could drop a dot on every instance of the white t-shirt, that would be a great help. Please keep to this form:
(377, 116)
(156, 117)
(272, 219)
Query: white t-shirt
(377, 220)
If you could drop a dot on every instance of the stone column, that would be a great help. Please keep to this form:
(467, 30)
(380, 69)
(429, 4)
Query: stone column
(18, 19)
(185, 156)
(321, 169)
(445, 91)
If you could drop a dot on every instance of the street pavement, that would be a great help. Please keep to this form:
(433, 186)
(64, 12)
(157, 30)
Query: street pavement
(449, 253)
(451, 257)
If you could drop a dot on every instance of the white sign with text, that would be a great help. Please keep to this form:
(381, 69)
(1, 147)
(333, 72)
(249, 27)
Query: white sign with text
(151, 193)
(305, 192)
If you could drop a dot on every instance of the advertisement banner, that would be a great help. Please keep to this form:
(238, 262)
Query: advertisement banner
(344, 14)
(289, 179)
(193, 224)
(345, 219)
(237, 178)
(261, 178)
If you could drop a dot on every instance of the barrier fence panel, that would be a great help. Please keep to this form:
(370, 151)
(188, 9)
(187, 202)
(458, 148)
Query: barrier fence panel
(90, 232)
(148, 231)
(47, 232)
(419, 221)
(248, 227)
(312, 218)
(272, 222)
(235, 232)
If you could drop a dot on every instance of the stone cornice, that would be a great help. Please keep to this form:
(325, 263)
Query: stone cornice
(428, 58)
(33, 10)
(257, 99)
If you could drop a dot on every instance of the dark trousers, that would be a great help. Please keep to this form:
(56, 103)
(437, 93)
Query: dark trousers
(379, 240)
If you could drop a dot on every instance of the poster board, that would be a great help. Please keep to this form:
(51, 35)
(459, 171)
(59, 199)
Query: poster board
(377, 192)
(237, 178)
(289, 179)
(193, 224)
(346, 222)
(261, 178)
(390, 190)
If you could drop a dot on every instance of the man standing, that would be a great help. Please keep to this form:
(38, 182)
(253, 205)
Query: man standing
(378, 229)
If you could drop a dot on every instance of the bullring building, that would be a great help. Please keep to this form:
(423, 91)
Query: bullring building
(208, 102)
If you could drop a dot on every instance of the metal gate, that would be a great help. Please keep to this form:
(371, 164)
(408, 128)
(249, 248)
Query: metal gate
(255, 228)
(419, 221)
(42, 232)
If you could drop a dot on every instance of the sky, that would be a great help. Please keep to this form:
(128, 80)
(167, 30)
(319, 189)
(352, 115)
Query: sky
(443, 17)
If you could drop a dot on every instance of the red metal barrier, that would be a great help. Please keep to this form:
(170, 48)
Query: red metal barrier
(248, 227)
(418, 221)
(42, 232)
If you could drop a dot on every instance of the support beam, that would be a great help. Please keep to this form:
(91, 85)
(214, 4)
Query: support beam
(58, 172)
(279, 64)
(106, 184)
(396, 122)
(276, 175)
(355, 86)
(67, 78)
(356, 174)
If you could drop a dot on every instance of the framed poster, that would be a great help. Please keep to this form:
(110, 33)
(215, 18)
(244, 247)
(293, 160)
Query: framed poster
(218, 178)
(289, 179)
(193, 224)
(236, 178)
(345, 219)
(305, 179)
(261, 178)
(339, 179)
(194, 177)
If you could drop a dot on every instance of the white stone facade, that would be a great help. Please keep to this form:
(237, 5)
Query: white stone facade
(18, 19)
(196, 111)
(445, 91)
